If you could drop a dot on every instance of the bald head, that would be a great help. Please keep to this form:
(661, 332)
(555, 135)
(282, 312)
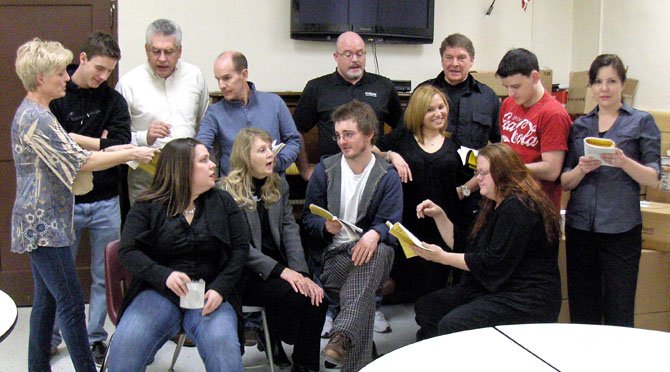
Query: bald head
(349, 38)
(238, 59)
(231, 72)
(350, 56)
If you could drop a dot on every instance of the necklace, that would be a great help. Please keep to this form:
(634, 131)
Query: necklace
(189, 211)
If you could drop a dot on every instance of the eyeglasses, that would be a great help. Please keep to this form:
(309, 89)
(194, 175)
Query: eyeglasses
(482, 173)
(346, 136)
(349, 54)
(167, 52)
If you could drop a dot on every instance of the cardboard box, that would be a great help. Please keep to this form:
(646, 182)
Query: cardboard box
(653, 283)
(564, 315)
(662, 119)
(580, 96)
(656, 226)
(653, 321)
(490, 79)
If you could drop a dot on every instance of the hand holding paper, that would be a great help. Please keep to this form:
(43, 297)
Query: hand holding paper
(353, 231)
(594, 147)
(405, 237)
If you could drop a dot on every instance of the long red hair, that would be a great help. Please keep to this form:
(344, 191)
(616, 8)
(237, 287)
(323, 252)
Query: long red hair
(511, 177)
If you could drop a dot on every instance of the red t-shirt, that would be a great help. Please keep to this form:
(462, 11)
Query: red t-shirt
(530, 131)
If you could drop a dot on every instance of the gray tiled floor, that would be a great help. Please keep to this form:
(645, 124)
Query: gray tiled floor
(14, 349)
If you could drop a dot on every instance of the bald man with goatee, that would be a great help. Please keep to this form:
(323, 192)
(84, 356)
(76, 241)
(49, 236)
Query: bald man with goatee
(349, 82)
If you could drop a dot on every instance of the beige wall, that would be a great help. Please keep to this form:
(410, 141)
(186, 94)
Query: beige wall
(565, 34)
(260, 29)
(638, 31)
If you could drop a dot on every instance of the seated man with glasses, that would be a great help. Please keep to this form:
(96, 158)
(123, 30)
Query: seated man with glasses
(350, 81)
(166, 97)
(361, 188)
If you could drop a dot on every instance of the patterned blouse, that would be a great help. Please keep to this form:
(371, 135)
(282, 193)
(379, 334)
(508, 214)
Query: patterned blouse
(47, 161)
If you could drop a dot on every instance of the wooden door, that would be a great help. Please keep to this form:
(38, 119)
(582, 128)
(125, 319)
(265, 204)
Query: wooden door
(67, 21)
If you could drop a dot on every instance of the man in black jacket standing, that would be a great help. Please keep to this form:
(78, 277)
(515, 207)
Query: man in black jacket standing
(473, 116)
(96, 117)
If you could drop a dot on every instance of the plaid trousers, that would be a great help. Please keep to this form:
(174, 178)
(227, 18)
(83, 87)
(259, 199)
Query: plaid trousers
(355, 286)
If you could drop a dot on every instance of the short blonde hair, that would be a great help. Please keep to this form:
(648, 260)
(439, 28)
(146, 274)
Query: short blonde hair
(418, 107)
(40, 57)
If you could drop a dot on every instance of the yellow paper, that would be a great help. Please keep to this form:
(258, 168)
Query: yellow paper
(318, 211)
(150, 167)
(405, 238)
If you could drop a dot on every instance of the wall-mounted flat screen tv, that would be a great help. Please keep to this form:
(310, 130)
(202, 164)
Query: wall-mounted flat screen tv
(383, 21)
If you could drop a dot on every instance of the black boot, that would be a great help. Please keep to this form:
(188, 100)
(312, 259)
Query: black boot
(278, 354)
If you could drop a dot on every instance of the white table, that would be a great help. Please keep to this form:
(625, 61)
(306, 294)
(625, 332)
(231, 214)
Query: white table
(8, 314)
(534, 347)
(579, 347)
(484, 349)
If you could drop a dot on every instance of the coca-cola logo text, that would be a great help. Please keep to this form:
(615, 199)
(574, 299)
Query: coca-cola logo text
(519, 131)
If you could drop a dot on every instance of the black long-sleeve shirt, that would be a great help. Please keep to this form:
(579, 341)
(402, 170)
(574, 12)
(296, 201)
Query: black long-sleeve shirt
(90, 112)
(324, 94)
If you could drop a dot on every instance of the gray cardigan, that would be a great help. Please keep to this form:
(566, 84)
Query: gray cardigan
(285, 232)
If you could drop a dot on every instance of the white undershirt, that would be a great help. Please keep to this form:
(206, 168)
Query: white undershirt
(352, 186)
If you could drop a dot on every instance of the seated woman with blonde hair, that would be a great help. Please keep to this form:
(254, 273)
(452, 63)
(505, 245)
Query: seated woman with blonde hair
(276, 275)
(511, 264)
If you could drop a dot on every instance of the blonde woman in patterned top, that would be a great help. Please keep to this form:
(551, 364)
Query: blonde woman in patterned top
(50, 167)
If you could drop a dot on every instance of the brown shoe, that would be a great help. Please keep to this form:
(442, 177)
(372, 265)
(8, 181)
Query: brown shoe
(338, 347)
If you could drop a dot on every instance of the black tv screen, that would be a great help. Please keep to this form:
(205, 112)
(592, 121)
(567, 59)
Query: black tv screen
(391, 21)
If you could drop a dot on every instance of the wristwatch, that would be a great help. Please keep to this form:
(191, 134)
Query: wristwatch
(465, 190)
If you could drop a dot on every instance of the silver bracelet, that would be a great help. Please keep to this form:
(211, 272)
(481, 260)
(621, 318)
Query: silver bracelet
(388, 156)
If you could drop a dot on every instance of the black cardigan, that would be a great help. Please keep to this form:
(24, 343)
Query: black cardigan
(151, 258)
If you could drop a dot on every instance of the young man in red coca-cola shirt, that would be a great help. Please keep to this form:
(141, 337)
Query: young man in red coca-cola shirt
(532, 122)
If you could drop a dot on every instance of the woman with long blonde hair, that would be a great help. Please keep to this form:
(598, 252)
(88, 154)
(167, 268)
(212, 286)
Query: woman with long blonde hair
(276, 275)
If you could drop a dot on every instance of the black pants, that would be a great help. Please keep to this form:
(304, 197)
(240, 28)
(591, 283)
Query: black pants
(460, 308)
(291, 316)
(602, 275)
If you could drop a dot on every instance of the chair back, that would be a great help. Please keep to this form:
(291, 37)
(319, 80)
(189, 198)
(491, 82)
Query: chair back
(117, 280)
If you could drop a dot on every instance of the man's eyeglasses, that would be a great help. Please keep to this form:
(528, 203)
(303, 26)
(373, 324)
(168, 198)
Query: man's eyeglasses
(349, 54)
(482, 173)
(346, 135)
(167, 52)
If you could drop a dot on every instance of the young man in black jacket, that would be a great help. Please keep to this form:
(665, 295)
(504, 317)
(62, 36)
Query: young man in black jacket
(96, 117)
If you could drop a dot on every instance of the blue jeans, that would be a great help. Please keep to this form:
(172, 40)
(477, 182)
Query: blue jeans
(57, 293)
(103, 221)
(151, 320)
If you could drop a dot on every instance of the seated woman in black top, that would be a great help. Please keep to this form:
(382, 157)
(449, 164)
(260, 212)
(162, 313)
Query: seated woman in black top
(182, 229)
(276, 275)
(511, 271)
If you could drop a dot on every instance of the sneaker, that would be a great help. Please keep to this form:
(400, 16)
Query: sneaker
(99, 350)
(381, 324)
(337, 349)
(327, 326)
